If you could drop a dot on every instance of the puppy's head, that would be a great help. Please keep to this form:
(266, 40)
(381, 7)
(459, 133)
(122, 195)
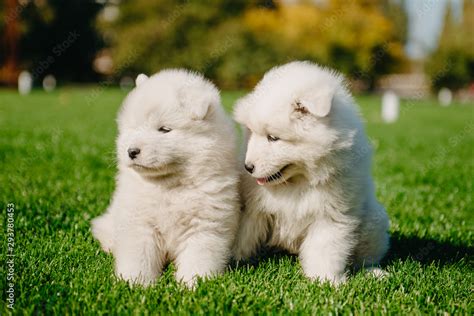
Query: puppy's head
(291, 117)
(163, 120)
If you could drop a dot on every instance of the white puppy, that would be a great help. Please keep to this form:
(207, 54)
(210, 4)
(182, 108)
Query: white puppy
(309, 188)
(177, 194)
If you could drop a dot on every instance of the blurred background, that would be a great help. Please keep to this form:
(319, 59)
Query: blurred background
(411, 47)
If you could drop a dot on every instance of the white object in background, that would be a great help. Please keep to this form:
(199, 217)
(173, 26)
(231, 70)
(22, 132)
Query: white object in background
(110, 13)
(49, 83)
(390, 107)
(445, 96)
(25, 82)
(126, 83)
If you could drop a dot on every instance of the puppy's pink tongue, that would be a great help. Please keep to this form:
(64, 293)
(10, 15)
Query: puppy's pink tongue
(261, 181)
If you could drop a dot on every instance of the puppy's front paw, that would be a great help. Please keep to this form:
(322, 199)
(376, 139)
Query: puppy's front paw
(376, 272)
(133, 279)
(335, 279)
(189, 281)
(134, 276)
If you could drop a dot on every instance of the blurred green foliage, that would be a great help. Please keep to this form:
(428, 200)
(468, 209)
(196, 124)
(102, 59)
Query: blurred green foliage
(452, 65)
(236, 42)
(232, 42)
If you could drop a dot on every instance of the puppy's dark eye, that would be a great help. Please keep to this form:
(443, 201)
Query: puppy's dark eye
(164, 129)
(272, 138)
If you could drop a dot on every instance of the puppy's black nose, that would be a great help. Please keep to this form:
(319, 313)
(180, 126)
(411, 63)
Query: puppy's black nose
(133, 152)
(249, 167)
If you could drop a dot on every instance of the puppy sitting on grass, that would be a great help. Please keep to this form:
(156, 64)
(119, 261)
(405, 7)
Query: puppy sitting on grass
(308, 187)
(176, 194)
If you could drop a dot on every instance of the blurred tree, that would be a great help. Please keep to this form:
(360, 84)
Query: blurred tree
(236, 42)
(352, 36)
(452, 65)
(56, 37)
(394, 10)
(8, 50)
(233, 42)
(149, 35)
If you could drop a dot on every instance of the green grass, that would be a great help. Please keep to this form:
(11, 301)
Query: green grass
(57, 167)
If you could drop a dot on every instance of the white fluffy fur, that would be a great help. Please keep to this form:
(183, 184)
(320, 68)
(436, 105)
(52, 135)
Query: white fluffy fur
(178, 199)
(323, 207)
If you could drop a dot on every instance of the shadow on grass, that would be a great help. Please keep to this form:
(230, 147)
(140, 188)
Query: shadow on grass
(423, 250)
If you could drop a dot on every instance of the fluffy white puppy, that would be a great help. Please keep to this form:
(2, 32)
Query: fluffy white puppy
(309, 188)
(176, 194)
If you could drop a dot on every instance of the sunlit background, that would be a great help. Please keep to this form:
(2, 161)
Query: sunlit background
(411, 47)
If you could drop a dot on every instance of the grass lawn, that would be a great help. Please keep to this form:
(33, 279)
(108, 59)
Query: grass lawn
(57, 168)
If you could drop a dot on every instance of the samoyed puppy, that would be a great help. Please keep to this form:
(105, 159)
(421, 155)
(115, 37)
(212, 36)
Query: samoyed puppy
(176, 196)
(308, 186)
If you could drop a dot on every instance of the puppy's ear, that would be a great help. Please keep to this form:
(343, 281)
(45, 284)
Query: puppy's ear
(317, 103)
(196, 102)
(141, 78)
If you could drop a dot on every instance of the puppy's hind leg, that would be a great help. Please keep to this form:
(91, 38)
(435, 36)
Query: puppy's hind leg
(373, 241)
(103, 230)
